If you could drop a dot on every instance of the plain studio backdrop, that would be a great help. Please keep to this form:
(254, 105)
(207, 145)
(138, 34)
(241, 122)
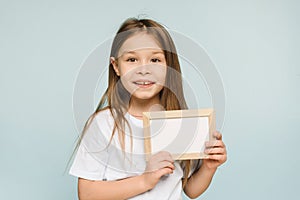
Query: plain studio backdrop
(254, 45)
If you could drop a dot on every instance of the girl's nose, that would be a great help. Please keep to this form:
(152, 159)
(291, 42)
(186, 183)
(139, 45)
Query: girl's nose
(143, 70)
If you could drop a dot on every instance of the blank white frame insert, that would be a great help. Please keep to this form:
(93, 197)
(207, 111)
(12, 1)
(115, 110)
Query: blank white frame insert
(183, 133)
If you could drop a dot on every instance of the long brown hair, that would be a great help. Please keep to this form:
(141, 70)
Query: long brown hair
(116, 98)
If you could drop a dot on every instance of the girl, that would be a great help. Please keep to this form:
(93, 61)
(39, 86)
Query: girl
(144, 75)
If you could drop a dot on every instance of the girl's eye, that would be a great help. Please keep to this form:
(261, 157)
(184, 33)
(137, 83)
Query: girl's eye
(155, 60)
(131, 60)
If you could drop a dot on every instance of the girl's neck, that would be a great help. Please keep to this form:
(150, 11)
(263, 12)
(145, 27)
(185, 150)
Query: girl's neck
(138, 106)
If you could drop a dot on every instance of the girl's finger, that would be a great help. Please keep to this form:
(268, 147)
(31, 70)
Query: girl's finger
(160, 165)
(216, 143)
(166, 156)
(164, 171)
(164, 164)
(217, 150)
(160, 156)
(218, 157)
(217, 135)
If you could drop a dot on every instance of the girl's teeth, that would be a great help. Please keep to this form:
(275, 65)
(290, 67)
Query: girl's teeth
(143, 83)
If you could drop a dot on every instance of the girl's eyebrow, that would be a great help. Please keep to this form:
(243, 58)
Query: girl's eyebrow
(134, 52)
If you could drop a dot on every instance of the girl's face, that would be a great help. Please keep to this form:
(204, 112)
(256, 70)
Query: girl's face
(141, 64)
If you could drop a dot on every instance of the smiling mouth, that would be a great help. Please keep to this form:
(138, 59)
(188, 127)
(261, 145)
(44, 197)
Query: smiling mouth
(144, 82)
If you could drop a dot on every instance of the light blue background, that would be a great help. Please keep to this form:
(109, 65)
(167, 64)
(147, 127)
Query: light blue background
(254, 44)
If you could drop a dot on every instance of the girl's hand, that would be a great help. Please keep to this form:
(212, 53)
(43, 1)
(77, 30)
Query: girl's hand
(159, 164)
(216, 151)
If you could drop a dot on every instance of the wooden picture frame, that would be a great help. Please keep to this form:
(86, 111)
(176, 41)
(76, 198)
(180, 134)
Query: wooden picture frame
(183, 133)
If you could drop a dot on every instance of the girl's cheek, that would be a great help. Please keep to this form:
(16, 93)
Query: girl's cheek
(160, 73)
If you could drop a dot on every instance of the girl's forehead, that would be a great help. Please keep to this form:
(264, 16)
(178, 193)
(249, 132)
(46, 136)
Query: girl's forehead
(139, 41)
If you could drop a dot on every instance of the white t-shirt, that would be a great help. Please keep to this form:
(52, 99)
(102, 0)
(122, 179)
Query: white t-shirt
(97, 161)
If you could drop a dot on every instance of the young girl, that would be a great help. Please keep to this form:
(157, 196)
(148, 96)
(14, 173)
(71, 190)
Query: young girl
(144, 75)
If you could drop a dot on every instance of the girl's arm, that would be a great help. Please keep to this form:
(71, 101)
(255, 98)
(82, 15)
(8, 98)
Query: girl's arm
(159, 165)
(120, 189)
(201, 179)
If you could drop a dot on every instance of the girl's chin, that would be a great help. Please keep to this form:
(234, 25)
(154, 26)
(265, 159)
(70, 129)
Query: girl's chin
(143, 96)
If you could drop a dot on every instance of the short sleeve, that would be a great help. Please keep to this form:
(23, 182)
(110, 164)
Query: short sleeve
(92, 155)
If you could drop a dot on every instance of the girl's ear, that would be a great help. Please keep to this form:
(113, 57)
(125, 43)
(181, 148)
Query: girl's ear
(115, 65)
